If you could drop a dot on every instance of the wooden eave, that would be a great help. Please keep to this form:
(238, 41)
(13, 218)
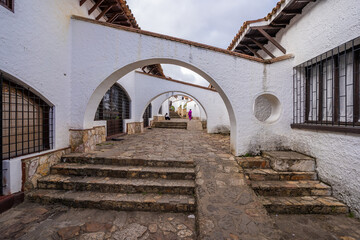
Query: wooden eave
(277, 20)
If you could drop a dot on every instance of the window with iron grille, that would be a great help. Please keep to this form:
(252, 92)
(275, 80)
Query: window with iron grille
(26, 122)
(326, 90)
(114, 108)
(9, 4)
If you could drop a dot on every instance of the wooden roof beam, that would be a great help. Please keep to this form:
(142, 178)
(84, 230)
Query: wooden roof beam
(111, 20)
(105, 11)
(266, 27)
(305, 1)
(263, 48)
(82, 2)
(96, 5)
(252, 50)
(291, 11)
(271, 39)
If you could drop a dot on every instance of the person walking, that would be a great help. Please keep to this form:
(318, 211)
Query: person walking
(190, 114)
(167, 117)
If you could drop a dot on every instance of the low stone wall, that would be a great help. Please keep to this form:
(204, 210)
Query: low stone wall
(39, 166)
(135, 127)
(158, 118)
(85, 140)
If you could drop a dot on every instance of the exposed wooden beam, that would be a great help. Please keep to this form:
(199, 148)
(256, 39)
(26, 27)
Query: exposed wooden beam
(266, 27)
(96, 5)
(111, 20)
(263, 48)
(291, 12)
(82, 2)
(305, 1)
(278, 25)
(253, 51)
(265, 34)
(284, 22)
(105, 11)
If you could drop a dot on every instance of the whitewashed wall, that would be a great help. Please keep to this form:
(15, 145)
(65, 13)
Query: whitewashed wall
(35, 50)
(321, 27)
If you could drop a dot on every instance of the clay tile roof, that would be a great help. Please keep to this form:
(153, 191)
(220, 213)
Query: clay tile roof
(128, 13)
(241, 31)
(245, 24)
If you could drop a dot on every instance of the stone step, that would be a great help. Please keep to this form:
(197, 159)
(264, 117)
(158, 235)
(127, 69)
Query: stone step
(291, 188)
(170, 127)
(115, 201)
(122, 171)
(253, 162)
(289, 161)
(117, 185)
(304, 205)
(271, 175)
(89, 159)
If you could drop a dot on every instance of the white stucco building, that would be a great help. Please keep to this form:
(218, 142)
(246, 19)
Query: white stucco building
(281, 82)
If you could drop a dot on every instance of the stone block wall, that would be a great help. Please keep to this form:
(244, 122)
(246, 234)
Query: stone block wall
(85, 140)
(135, 127)
(39, 166)
(158, 118)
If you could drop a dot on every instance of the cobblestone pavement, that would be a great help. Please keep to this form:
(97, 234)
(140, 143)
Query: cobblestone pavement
(319, 227)
(227, 207)
(30, 221)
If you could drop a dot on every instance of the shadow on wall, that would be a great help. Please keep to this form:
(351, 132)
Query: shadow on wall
(263, 141)
(222, 129)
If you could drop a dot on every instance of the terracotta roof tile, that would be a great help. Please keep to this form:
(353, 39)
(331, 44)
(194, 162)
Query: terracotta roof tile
(245, 24)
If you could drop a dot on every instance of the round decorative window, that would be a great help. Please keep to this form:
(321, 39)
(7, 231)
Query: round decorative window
(267, 108)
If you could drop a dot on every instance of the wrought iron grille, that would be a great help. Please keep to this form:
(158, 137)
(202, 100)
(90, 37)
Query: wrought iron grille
(26, 122)
(114, 108)
(147, 115)
(326, 89)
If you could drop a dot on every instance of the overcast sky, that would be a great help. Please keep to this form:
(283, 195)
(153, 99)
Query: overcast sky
(212, 22)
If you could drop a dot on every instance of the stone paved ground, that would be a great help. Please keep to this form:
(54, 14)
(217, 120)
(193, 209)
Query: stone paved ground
(30, 221)
(227, 207)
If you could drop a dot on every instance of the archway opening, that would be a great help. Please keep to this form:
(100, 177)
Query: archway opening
(95, 98)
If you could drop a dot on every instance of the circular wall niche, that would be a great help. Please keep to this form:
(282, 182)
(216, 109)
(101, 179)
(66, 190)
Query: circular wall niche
(267, 108)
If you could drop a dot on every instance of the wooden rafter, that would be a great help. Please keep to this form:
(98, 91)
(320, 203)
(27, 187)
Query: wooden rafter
(291, 12)
(82, 2)
(253, 51)
(111, 20)
(96, 5)
(271, 39)
(105, 11)
(262, 47)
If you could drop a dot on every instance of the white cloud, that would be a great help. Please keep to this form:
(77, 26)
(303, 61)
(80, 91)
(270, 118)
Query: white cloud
(211, 22)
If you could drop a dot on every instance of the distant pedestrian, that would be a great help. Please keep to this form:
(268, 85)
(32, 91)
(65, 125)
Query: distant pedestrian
(190, 114)
(167, 117)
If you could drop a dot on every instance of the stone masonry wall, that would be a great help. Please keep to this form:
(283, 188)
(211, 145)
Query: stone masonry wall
(39, 166)
(85, 140)
(135, 127)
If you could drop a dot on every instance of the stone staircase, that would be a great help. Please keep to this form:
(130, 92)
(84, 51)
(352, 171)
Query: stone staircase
(170, 124)
(287, 183)
(119, 184)
(173, 114)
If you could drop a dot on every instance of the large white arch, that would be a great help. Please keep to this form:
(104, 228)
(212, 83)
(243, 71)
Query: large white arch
(112, 52)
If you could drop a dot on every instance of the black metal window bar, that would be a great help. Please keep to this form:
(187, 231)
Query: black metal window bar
(326, 90)
(114, 108)
(26, 123)
(147, 115)
(8, 4)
